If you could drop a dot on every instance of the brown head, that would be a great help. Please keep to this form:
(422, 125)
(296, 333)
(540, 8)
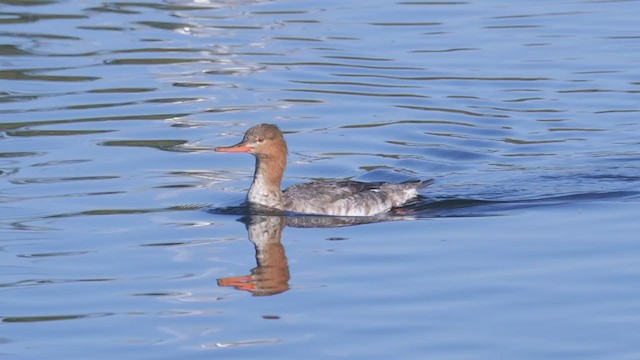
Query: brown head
(263, 141)
(266, 143)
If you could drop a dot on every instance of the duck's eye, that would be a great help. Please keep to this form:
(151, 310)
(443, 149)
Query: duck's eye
(260, 139)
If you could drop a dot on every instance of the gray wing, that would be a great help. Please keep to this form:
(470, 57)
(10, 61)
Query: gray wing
(328, 191)
(337, 198)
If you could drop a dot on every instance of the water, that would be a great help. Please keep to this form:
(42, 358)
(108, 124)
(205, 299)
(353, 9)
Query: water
(120, 229)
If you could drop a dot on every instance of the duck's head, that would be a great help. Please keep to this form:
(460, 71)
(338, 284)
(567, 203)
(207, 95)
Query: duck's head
(264, 140)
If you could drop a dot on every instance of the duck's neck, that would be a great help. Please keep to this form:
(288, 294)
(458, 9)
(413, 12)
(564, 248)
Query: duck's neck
(267, 181)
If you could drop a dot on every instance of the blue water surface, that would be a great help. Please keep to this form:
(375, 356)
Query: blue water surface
(123, 234)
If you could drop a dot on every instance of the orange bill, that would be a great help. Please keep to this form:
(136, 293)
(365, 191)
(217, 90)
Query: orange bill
(241, 147)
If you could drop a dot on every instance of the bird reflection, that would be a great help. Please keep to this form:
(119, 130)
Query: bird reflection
(271, 275)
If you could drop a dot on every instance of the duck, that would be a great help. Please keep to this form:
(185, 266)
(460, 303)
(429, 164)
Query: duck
(330, 197)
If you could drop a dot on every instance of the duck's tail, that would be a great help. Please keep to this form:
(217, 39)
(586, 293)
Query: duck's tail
(402, 192)
(419, 184)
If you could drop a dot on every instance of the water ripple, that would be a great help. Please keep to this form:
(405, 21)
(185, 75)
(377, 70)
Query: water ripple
(45, 318)
(50, 180)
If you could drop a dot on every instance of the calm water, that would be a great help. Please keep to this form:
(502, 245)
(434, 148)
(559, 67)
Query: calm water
(113, 244)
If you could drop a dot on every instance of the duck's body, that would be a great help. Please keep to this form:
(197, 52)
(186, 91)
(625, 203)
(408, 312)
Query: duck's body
(342, 198)
(349, 198)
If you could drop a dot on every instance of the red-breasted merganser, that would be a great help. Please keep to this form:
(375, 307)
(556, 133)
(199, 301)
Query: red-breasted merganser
(339, 198)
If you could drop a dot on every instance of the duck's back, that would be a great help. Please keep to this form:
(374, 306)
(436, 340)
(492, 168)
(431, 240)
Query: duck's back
(349, 198)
